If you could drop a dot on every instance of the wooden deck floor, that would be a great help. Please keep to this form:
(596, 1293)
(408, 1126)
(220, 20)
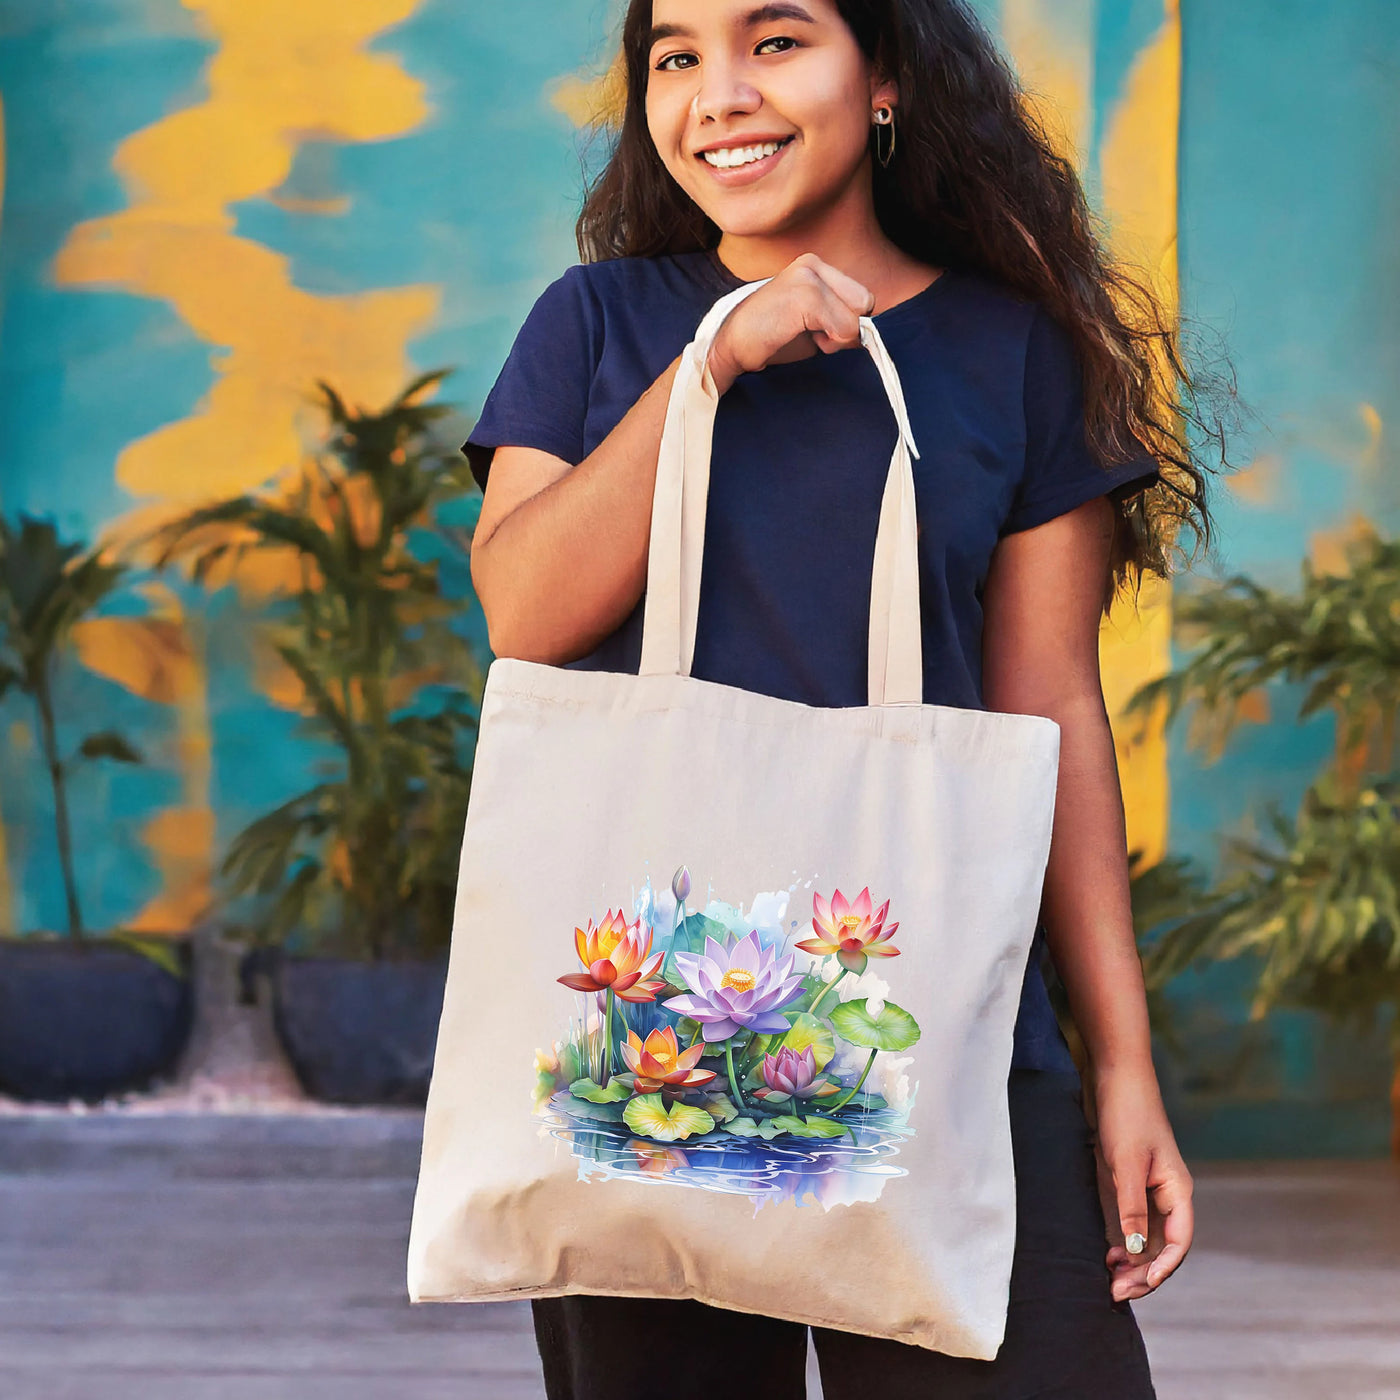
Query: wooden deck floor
(260, 1257)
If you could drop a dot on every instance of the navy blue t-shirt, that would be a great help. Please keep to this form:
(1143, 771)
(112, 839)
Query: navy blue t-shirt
(798, 465)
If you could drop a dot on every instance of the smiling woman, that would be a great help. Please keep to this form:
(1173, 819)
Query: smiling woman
(870, 162)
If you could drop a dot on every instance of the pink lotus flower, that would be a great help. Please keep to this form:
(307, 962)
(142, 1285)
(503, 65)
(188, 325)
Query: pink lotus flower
(732, 989)
(850, 930)
(616, 956)
(793, 1075)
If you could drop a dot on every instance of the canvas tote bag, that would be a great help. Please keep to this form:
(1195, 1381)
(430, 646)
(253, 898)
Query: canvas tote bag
(733, 979)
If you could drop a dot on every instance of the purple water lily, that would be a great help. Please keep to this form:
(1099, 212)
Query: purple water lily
(738, 988)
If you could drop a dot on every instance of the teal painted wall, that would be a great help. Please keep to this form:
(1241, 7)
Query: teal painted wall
(453, 178)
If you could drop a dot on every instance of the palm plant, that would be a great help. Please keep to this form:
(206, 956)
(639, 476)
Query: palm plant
(365, 860)
(1317, 901)
(47, 587)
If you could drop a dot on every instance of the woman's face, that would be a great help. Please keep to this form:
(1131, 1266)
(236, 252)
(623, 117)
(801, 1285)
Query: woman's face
(742, 73)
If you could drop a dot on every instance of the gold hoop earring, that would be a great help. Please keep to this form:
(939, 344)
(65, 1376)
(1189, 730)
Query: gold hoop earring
(884, 117)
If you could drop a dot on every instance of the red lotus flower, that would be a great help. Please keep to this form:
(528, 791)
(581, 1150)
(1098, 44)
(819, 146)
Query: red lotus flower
(850, 930)
(616, 956)
(658, 1062)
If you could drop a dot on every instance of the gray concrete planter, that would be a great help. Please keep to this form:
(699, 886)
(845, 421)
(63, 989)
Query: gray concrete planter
(86, 1020)
(357, 1032)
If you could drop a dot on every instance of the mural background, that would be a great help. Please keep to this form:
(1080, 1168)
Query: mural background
(209, 204)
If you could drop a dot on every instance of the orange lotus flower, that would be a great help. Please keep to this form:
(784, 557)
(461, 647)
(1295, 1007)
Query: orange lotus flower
(850, 930)
(617, 956)
(659, 1062)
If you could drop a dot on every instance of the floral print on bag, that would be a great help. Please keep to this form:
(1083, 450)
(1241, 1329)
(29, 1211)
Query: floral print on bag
(718, 1050)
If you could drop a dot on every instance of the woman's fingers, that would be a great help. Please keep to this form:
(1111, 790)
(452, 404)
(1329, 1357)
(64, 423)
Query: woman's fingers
(1130, 1170)
(1172, 1198)
(1167, 1225)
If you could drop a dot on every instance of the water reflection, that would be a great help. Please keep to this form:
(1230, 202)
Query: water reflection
(808, 1171)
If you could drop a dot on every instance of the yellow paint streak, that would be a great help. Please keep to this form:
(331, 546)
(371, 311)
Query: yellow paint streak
(281, 76)
(1258, 483)
(1052, 45)
(1138, 167)
(587, 100)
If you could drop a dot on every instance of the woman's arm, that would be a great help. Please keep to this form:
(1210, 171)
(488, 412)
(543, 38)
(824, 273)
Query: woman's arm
(559, 554)
(1042, 606)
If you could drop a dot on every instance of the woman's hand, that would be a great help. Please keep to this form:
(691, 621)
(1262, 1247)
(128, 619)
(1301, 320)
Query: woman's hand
(809, 306)
(1143, 1181)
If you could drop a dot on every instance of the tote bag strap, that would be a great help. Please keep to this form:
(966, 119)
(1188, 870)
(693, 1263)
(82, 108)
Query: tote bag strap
(675, 552)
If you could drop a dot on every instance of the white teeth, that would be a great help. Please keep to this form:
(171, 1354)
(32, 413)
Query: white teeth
(728, 158)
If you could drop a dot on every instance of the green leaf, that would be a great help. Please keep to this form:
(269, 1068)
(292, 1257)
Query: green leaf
(765, 1128)
(649, 1117)
(720, 1107)
(863, 1103)
(810, 1127)
(600, 1112)
(614, 1092)
(810, 1030)
(893, 1029)
(690, 938)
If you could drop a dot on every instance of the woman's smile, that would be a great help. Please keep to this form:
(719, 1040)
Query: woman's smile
(746, 171)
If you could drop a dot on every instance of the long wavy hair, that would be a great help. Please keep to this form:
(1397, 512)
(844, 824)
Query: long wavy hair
(975, 183)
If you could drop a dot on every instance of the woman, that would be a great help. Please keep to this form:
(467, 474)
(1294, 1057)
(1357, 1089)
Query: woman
(872, 157)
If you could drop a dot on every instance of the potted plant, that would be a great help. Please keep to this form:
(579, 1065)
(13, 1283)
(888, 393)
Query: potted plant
(81, 1015)
(1316, 901)
(346, 889)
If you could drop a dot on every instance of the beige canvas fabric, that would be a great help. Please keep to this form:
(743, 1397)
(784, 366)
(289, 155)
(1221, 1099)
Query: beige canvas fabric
(825, 1135)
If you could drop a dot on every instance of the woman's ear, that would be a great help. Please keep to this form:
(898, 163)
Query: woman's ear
(884, 92)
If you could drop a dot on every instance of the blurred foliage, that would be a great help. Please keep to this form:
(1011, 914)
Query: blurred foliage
(1314, 900)
(47, 587)
(363, 863)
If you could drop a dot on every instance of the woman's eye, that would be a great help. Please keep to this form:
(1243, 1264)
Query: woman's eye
(662, 67)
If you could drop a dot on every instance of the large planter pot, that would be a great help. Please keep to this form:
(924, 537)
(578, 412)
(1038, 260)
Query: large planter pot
(82, 1020)
(359, 1032)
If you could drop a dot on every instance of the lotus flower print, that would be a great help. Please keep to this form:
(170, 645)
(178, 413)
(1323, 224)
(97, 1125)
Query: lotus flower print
(740, 988)
(791, 1074)
(720, 1041)
(850, 930)
(658, 1062)
(616, 958)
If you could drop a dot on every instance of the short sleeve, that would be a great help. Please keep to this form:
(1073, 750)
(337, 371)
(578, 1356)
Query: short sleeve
(1061, 471)
(540, 397)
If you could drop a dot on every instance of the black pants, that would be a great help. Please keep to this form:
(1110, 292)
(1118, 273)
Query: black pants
(1066, 1338)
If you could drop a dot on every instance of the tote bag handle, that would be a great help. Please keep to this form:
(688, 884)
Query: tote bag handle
(678, 525)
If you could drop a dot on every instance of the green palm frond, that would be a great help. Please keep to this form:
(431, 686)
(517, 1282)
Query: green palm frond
(368, 858)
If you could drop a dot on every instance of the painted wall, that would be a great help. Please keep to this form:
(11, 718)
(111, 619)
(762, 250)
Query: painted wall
(208, 204)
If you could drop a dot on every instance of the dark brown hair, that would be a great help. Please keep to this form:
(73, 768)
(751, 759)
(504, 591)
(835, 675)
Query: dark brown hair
(975, 183)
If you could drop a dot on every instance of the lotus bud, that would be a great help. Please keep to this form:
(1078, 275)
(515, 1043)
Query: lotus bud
(680, 884)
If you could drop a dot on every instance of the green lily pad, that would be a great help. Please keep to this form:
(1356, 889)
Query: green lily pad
(810, 1030)
(720, 1108)
(809, 1127)
(598, 1112)
(649, 1117)
(765, 1128)
(863, 1103)
(615, 1090)
(893, 1029)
